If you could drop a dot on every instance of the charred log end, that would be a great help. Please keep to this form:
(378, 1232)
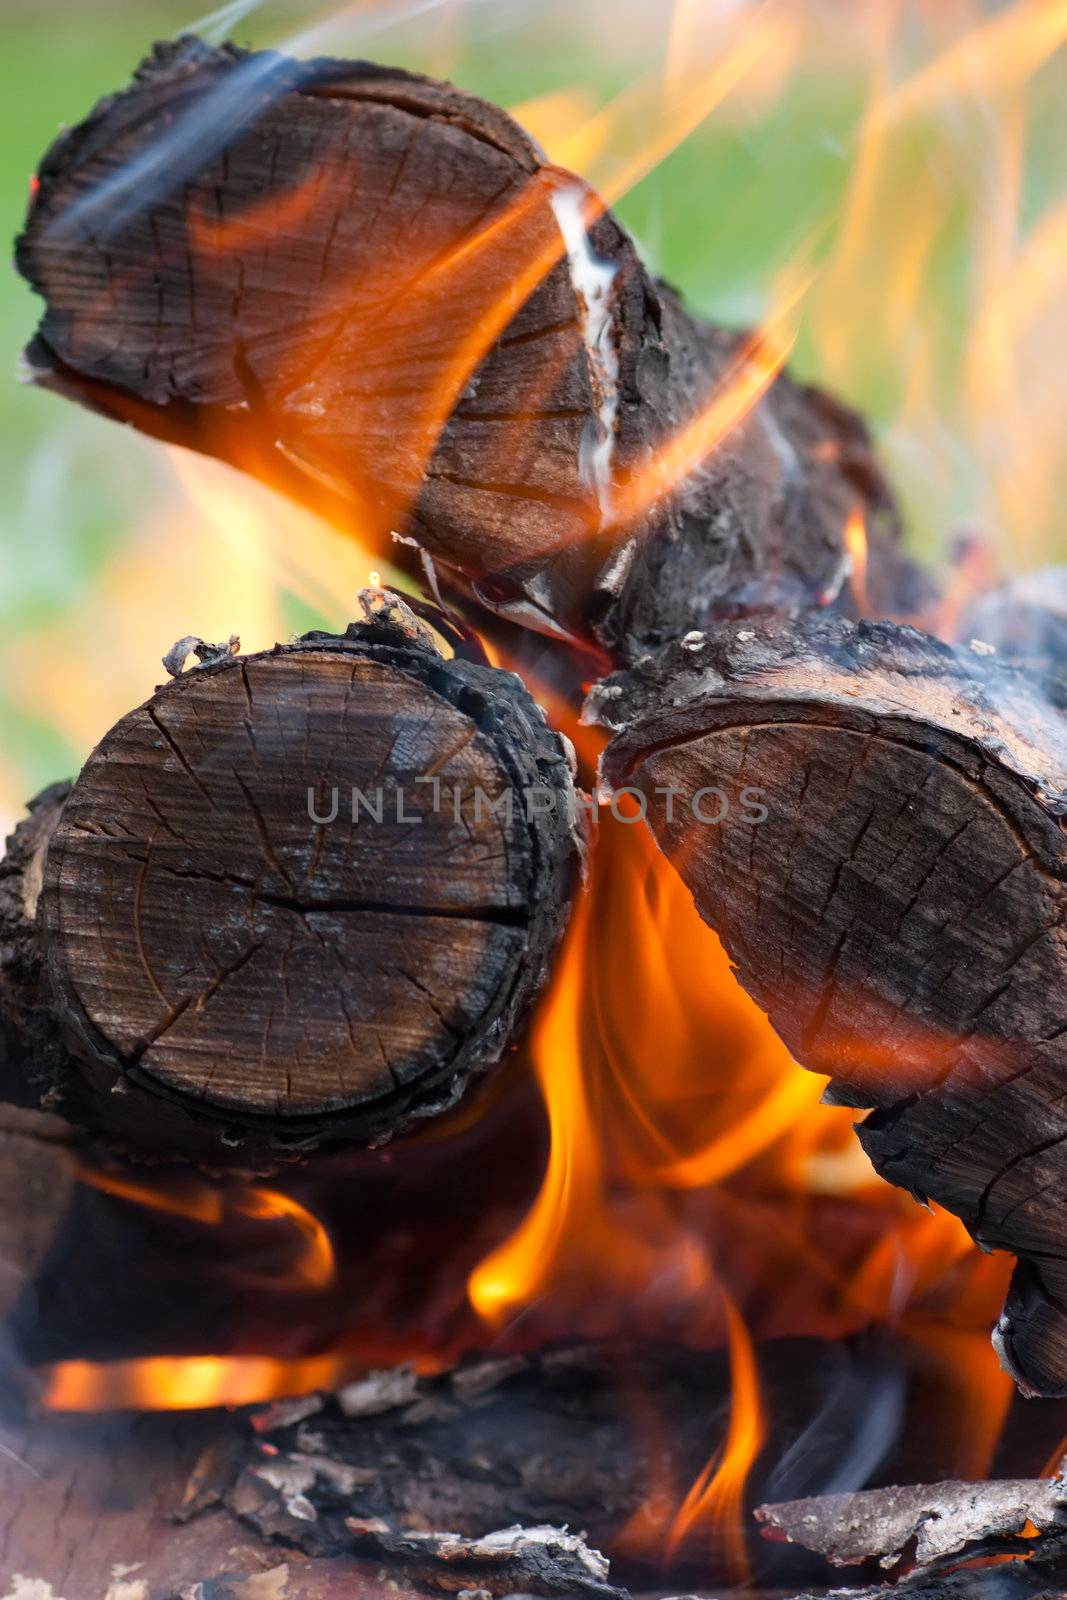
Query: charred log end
(895, 903)
(304, 895)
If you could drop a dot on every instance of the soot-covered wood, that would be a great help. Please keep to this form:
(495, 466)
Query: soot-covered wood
(354, 282)
(899, 912)
(235, 976)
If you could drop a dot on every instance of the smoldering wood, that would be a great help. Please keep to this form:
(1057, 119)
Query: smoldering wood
(364, 1490)
(353, 282)
(606, 1438)
(90, 1512)
(898, 913)
(235, 979)
(188, 1499)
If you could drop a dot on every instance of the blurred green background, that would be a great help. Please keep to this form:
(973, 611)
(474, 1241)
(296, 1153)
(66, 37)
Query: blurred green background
(913, 154)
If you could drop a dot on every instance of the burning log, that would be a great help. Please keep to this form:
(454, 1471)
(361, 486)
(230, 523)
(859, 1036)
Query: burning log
(874, 823)
(370, 289)
(300, 895)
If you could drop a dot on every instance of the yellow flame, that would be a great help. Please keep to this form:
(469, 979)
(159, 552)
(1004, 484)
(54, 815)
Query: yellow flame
(515, 1272)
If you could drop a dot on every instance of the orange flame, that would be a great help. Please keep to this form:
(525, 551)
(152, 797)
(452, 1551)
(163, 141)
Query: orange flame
(547, 1243)
(716, 1499)
(316, 1266)
(199, 1200)
(856, 550)
(184, 1383)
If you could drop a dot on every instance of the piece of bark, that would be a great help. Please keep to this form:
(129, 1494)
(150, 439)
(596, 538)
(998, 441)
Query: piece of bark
(243, 959)
(508, 1561)
(925, 1523)
(371, 290)
(951, 1539)
(896, 902)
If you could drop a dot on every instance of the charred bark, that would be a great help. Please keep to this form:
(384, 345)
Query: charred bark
(301, 895)
(1025, 620)
(938, 1539)
(371, 290)
(893, 897)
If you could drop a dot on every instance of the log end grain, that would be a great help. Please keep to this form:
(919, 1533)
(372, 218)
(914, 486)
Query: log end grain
(898, 907)
(303, 895)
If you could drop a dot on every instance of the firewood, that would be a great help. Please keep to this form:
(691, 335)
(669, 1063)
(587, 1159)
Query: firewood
(880, 844)
(371, 290)
(298, 895)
